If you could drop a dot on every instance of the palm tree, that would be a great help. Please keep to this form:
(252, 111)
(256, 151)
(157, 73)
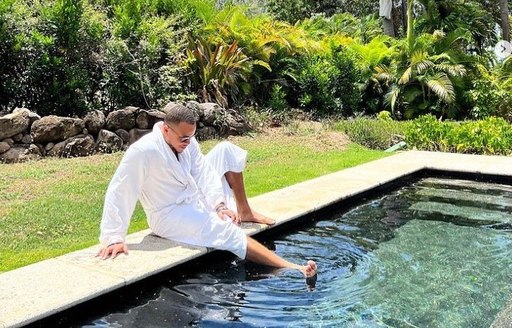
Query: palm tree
(421, 79)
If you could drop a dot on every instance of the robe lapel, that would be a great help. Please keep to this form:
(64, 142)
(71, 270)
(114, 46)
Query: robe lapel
(175, 166)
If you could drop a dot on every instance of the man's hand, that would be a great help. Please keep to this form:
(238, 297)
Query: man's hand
(112, 250)
(226, 213)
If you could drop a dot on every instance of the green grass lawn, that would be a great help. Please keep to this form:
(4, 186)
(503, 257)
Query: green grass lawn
(53, 206)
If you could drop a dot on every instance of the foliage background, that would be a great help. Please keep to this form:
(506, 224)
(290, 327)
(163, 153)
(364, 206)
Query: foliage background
(328, 58)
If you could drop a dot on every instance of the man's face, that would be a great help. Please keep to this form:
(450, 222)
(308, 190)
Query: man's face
(178, 135)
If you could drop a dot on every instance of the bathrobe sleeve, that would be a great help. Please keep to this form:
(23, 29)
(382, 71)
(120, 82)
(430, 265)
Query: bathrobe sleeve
(121, 197)
(207, 179)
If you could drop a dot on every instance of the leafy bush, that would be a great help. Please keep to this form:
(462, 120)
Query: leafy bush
(490, 93)
(141, 67)
(48, 55)
(490, 136)
(277, 101)
(66, 57)
(373, 133)
(326, 84)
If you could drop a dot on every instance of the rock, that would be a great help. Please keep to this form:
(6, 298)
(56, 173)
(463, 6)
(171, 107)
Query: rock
(33, 117)
(49, 146)
(94, 121)
(9, 141)
(14, 123)
(55, 128)
(236, 124)
(124, 135)
(41, 149)
(4, 146)
(146, 119)
(108, 142)
(122, 119)
(27, 139)
(211, 113)
(136, 134)
(79, 146)
(196, 107)
(18, 137)
(21, 153)
(206, 133)
(57, 149)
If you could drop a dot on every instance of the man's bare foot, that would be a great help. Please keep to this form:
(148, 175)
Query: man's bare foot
(256, 217)
(310, 272)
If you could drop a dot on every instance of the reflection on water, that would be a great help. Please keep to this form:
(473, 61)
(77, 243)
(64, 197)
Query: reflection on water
(434, 254)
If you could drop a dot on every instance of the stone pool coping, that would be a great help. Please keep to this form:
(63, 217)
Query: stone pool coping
(39, 290)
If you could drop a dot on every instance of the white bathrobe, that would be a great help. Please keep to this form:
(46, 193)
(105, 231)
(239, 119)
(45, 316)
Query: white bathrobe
(178, 197)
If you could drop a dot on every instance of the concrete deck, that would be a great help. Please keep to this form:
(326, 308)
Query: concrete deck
(45, 288)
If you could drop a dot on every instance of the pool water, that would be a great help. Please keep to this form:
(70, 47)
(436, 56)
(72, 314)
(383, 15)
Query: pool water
(437, 253)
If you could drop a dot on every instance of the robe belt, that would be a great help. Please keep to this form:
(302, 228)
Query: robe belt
(181, 200)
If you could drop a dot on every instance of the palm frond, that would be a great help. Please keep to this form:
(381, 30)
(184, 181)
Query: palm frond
(442, 87)
(391, 98)
(452, 70)
(406, 76)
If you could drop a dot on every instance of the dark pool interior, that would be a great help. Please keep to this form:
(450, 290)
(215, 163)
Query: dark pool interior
(435, 253)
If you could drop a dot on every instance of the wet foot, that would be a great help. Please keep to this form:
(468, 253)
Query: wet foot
(310, 272)
(257, 218)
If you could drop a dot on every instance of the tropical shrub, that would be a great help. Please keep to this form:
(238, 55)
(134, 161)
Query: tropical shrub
(468, 16)
(141, 64)
(326, 85)
(273, 45)
(48, 55)
(379, 52)
(491, 93)
(362, 29)
(380, 133)
(294, 10)
(219, 72)
(277, 100)
(489, 136)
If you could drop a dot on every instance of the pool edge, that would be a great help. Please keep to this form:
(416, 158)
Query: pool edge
(48, 287)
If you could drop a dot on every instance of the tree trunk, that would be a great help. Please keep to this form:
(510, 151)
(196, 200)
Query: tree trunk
(386, 15)
(505, 27)
(410, 25)
(388, 26)
(404, 16)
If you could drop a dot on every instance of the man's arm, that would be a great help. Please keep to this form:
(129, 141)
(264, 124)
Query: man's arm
(120, 201)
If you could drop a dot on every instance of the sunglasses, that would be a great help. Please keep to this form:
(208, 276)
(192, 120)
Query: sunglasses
(182, 139)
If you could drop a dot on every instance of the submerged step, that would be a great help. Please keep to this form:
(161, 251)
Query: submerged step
(469, 196)
(468, 212)
(469, 184)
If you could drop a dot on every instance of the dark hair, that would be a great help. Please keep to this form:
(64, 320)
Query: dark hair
(177, 113)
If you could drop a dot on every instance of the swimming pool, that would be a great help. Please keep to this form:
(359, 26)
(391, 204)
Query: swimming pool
(437, 253)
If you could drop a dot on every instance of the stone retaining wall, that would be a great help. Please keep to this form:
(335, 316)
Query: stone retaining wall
(24, 135)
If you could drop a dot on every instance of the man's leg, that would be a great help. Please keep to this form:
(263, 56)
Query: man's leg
(258, 253)
(245, 213)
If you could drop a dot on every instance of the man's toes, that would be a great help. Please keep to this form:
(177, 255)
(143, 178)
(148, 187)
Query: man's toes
(311, 267)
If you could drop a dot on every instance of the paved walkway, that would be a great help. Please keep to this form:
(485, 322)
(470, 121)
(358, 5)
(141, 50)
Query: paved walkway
(42, 289)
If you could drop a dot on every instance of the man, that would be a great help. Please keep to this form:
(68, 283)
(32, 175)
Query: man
(186, 196)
